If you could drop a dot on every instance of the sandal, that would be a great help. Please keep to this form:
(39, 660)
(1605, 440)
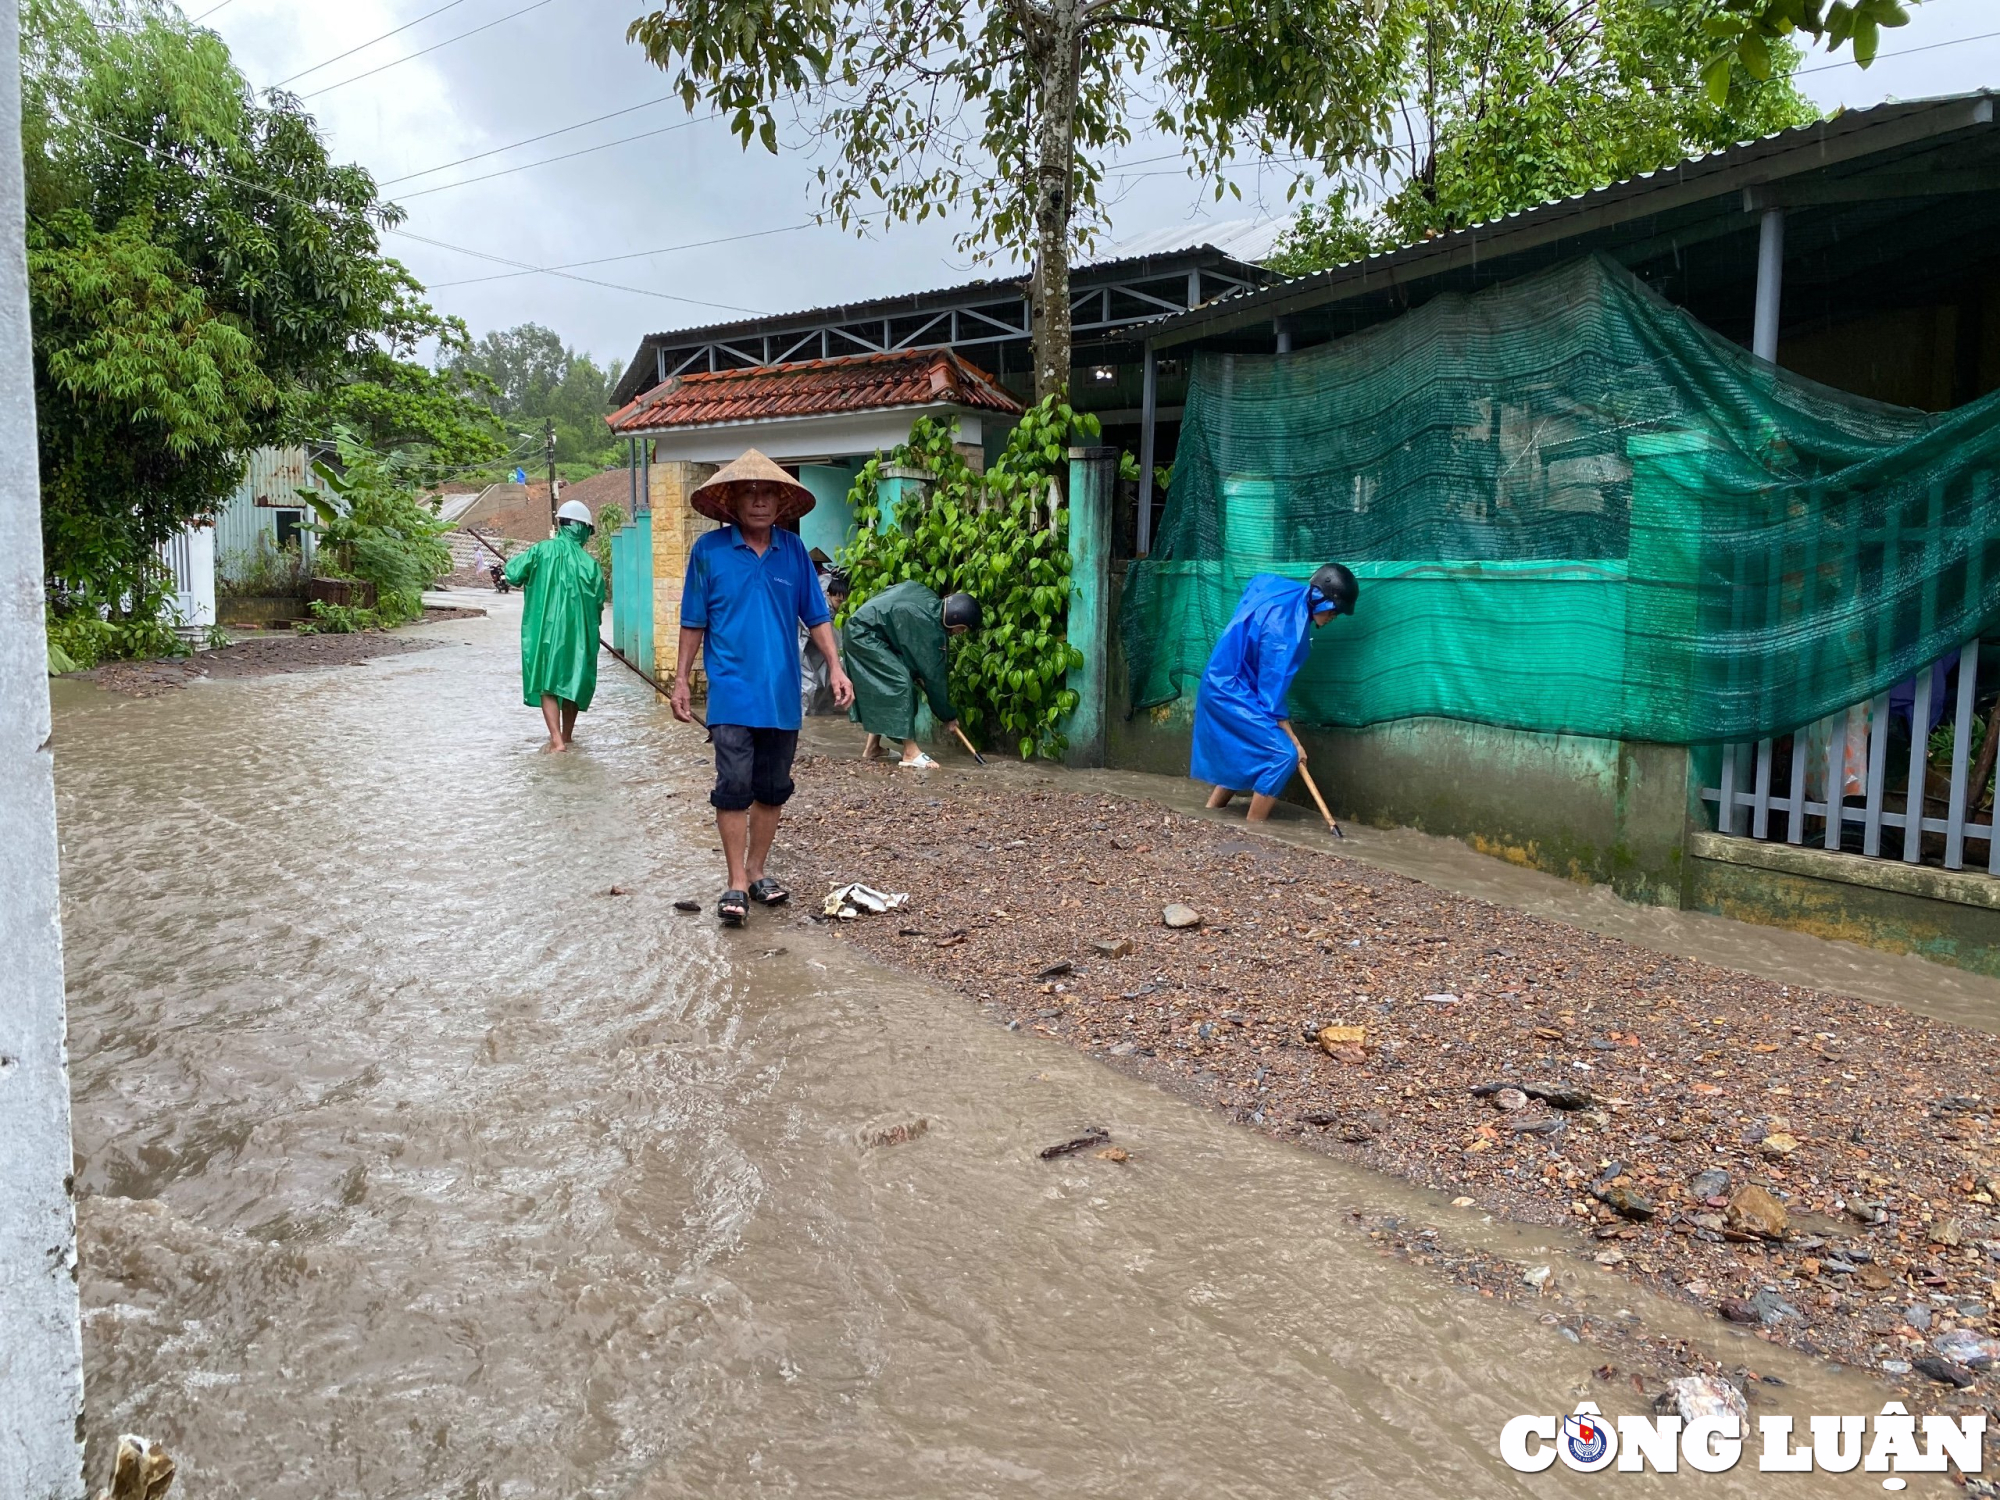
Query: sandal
(733, 908)
(921, 763)
(768, 892)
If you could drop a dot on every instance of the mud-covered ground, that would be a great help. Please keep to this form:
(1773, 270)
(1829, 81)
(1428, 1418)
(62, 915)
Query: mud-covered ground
(1807, 1165)
(263, 655)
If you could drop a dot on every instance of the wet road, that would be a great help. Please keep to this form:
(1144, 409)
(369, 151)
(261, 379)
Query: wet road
(415, 1164)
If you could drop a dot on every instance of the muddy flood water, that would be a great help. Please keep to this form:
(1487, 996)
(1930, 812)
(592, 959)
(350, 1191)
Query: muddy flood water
(413, 1163)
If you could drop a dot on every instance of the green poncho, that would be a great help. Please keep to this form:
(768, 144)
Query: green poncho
(891, 643)
(564, 595)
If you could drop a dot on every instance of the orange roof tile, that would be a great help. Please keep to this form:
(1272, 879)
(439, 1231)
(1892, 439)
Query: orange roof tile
(815, 388)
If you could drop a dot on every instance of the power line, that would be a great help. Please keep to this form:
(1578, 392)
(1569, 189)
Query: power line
(1848, 62)
(548, 160)
(367, 44)
(531, 269)
(530, 140)
(421, 52)
(605, 260)
(196, 21)
(520, 265)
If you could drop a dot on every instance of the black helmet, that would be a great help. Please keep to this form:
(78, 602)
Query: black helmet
(837, 582)
(1337, 586)
(961, 610)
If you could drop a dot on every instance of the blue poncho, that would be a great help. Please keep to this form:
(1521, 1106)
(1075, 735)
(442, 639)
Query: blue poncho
(1237, 741)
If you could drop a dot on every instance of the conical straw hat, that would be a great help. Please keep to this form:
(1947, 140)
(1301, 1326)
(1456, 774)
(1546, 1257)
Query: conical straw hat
(714, 498)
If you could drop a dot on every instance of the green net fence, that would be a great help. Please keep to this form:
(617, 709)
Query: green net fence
(1572, 508)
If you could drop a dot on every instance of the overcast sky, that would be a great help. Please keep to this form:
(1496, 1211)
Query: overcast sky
(533, 66)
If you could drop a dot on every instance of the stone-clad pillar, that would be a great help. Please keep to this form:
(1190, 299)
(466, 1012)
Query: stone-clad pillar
(676, 527)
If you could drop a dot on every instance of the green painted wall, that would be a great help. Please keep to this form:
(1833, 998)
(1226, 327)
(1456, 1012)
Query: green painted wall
(829, 525)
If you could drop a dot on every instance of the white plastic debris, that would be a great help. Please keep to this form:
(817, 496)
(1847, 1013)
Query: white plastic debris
(847, 902)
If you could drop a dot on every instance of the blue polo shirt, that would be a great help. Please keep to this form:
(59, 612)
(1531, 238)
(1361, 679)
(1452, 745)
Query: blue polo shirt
(751, 608)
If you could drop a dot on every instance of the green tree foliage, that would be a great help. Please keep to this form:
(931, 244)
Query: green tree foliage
(1001, 537)
(203, 279)
(1010, 109)
(1513, 103)
(1754, 32)
(529, 377)
(378, 529)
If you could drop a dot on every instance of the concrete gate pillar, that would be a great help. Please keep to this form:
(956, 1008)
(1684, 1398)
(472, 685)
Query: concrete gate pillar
(676, 528)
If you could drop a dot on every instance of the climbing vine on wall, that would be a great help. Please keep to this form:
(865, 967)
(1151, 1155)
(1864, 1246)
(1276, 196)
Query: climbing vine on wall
(1001, 537)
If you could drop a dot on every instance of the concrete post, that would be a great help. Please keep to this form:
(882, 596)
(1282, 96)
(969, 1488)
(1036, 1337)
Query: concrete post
(1093, 485)
(41, 1352)
(899, 483)
(1770, 283)
(1149, 409)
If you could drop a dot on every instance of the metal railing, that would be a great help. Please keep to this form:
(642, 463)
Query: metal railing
(1908, 811)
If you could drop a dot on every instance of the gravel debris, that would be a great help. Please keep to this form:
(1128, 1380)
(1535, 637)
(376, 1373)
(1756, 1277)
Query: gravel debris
(1821, 1164)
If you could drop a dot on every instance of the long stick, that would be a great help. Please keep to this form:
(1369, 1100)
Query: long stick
(968, 744)
(634, 666)
(1311, 785)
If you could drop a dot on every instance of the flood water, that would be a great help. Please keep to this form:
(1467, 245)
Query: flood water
(415, 1164)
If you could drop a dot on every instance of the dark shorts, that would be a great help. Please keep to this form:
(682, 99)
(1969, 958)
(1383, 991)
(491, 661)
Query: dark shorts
(752, 765)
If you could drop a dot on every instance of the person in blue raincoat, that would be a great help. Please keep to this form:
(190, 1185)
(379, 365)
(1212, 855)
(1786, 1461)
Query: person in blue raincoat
(1241, 734)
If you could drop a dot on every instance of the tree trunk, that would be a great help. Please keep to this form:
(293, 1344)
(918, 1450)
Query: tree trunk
(1052, 47)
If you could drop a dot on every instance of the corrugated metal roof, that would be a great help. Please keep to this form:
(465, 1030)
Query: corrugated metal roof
(1241, 239)
(1846, 138)
(815, 388)
(639, 372)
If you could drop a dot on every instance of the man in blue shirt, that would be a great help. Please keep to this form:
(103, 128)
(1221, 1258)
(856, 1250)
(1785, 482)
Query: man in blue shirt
(749, 586)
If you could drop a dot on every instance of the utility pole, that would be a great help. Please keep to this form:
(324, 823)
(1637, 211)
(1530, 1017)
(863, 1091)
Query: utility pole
(549, 441)
(41, 1353)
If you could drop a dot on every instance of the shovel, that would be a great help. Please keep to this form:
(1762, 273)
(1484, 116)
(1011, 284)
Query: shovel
(968, 744)
(1311, 786)
(634, 666)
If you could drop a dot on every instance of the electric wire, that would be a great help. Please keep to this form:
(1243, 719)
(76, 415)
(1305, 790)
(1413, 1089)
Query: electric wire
(549, 160)
(409, 234)
(367, 44)
(426, 51)
(605, 260)
(531, 140)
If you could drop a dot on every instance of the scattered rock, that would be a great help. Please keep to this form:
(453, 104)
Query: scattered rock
(1507, 1100)
(1462, 1202)
(1097, 1135)
(1737, 1310)
(1777, 1145)
(1895, 1367)
(1114, 1153)
(1363, 1127)
(1943, 1371)
(1112, 947)
(1609, 1257)
(1696, 1396)
(1947, 1232)
(1874, 1278)
(618, 890)
(1754, 1211)
(1866, 1211)
(1713, 1183)
(1629, 1202)
(1056, 971)
(1444, 998)
(685, 905)
(1559, 1096)
(1333, 1039)
(1547, 1125)
(1918, 1316)
(1537, 1277)
(1966, 1346)
(1178, 916)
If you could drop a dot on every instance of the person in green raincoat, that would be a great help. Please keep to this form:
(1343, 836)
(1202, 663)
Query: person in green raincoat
(564, 596)
(891, 644)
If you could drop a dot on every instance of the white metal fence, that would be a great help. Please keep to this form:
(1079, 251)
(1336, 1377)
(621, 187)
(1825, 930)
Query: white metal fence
(1835, 785)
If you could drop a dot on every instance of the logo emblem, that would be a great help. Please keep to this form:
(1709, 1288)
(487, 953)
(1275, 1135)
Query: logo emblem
(1586, 1440)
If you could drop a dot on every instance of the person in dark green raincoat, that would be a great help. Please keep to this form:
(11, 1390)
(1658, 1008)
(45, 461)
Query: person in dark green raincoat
(564, 596)
(891, 644)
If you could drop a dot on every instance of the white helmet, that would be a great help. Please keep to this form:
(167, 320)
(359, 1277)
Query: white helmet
(574, 510)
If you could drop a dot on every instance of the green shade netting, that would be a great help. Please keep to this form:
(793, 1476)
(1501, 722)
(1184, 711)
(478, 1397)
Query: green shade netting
(1572, 508)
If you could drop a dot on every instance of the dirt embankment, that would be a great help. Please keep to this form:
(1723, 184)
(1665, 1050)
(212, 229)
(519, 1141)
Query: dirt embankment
(1819, 1169)
(264, 655)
